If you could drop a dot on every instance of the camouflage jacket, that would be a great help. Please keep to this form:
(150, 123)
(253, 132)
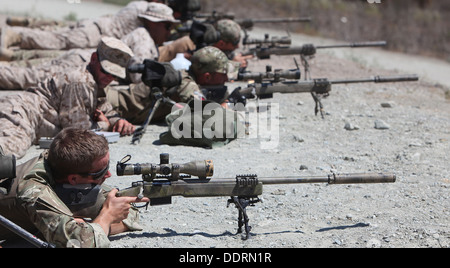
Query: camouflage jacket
(73, 97)
(124, 21)
(134, 101)
(54, 220)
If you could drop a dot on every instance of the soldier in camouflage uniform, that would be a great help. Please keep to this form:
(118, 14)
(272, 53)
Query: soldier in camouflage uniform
(67, 99)
(35, 201)
(87, 34)
(210, 67)
(225, 35)
(133, 102)
(143, 41)
(210, 70)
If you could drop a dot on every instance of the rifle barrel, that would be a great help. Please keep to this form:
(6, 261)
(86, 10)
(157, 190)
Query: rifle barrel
(252, 187)
(357, 44)
(379, 79)
(335, 179)
(275, 20)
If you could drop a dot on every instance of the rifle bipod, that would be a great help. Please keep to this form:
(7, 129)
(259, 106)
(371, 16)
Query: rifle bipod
(241, 204)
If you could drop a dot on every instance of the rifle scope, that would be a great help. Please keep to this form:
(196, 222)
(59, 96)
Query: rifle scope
(201, 169)
(273, 76)
(285, 40)
(7, 166)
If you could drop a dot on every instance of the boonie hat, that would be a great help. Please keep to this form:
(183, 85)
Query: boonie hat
(114, 56)
(158, 12)
(229, 31)
(213, 60)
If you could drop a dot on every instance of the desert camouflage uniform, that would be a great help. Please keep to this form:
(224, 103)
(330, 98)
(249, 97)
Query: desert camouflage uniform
(88, 32)
(65, 100)
(36, 207)
(143, 47)
(16, 77)
(134, 102)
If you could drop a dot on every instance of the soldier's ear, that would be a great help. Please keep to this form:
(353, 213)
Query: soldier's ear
(72, 179)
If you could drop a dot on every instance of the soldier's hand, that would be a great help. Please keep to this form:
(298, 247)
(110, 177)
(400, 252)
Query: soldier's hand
(123, 127)
(243, 60)
(115, 209)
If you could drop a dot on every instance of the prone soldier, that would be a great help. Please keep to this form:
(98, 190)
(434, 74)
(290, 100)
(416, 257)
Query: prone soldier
(48, 191)
(86, 34)
(143, 41)
(72, 98)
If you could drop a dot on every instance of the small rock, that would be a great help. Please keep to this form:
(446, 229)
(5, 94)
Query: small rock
(373, 243)
(279, 192)
(297, 138)
(380, 124)
(350, 126)
(387, 104)
(303, 167)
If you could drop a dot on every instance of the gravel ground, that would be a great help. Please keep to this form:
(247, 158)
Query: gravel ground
(412, 212)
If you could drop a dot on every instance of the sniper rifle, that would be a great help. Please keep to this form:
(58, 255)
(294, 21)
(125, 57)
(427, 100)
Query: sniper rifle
(160, 182)
(266, 47)
(265, 84)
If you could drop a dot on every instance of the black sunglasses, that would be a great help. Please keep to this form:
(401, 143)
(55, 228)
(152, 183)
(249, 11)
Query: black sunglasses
(97, 175)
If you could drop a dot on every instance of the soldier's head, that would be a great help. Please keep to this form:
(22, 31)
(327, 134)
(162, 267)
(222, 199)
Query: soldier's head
(158, 20)
(229, 35)
(110, 61)
(79, 157)
(211, 66)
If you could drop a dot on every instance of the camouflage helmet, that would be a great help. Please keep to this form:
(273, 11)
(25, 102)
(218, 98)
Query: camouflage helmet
(114, 56)
(229, 31)
(211, 60)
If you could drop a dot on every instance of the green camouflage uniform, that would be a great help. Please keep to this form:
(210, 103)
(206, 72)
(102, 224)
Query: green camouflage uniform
(35, 206)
